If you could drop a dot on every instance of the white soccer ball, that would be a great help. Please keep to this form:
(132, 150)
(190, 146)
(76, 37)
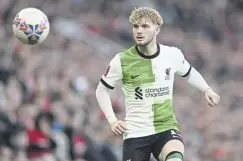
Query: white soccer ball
(31, 26)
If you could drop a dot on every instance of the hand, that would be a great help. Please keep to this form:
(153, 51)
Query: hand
(118, 127)
(211, 97)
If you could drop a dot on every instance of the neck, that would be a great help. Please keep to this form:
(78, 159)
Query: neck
(149, 49)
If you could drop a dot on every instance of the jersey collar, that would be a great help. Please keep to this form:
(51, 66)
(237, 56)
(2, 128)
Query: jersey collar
(148, 56)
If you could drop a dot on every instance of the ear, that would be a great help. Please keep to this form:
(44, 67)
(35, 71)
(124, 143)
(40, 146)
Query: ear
(157, 30)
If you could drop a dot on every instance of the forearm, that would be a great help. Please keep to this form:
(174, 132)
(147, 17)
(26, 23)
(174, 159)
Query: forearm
(104, 101)
(195, 79)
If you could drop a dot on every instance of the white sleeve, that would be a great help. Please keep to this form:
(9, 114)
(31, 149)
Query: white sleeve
(195, 79)
(108, 80)
(104, 101)
(182, 65)
(113, 73)
(184, 69)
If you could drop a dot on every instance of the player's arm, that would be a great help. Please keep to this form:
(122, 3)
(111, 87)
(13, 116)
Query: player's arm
(103, 98)
(195, 79)
(107, 82)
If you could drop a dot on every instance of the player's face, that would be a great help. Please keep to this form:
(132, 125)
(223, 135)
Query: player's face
(144, 32)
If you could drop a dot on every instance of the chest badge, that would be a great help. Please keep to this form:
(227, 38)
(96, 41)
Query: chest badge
(167, 72)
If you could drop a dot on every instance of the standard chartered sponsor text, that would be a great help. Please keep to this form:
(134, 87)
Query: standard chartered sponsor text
(155, 92)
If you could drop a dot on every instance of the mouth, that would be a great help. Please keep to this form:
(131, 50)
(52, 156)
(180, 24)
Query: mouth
(139, 38)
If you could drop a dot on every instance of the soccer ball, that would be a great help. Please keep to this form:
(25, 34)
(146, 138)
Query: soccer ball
(31, 26)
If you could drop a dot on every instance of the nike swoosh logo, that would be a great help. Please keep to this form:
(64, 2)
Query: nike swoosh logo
(135, 76)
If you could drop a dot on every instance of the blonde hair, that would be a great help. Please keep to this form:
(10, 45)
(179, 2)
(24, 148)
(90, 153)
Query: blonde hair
(138, 14)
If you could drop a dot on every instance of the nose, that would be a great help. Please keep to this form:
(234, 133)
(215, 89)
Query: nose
(139, 30)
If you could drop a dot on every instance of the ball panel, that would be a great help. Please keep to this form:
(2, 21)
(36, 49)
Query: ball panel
(31, 26)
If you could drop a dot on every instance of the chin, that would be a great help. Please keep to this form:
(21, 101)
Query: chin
(142, 43)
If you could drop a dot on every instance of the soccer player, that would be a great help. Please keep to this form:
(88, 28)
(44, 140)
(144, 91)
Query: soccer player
(146, 71)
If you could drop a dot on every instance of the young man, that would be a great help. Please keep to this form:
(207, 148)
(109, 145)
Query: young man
(147, 74)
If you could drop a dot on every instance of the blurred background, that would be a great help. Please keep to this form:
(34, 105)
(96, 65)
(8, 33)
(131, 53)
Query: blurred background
(48, 109)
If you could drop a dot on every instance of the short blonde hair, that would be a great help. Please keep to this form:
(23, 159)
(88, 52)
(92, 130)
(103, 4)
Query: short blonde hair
(138, 14)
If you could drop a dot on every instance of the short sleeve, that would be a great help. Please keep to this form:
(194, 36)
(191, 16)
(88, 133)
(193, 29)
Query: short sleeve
(113, 73)
(183, 67)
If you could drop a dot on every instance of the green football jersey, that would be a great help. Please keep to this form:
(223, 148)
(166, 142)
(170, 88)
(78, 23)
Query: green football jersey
(147, 83)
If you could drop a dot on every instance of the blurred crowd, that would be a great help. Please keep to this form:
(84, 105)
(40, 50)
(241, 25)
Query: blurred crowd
(48, 109)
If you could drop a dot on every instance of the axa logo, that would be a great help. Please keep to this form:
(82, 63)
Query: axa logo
(138, 93)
